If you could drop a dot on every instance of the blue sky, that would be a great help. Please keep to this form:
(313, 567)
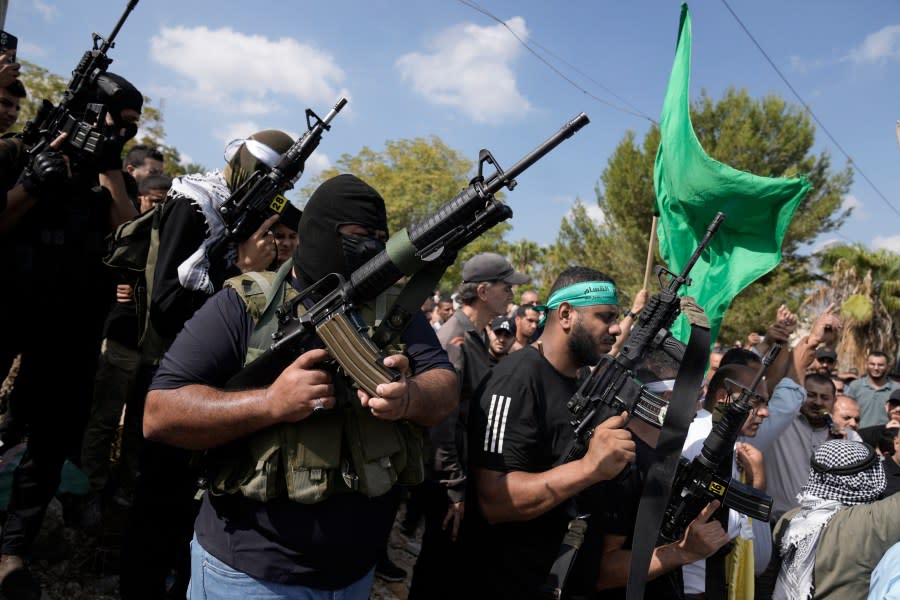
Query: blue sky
(439, 67)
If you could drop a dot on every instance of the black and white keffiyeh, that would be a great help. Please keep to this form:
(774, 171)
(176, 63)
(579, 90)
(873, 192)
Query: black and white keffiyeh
(842, 473)
(207, 192)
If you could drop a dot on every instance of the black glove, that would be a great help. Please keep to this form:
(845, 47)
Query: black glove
(114, 140)
(46, 175)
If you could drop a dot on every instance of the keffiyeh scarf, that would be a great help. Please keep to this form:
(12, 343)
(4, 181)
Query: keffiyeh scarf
(207, 192)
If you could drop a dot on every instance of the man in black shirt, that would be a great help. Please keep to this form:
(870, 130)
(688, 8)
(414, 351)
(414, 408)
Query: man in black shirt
(519, 429)
(485, 291)
(53, 240)
(319, 522)
(184, 276)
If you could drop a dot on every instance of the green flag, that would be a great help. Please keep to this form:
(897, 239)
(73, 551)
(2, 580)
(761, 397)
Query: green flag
(691, 187)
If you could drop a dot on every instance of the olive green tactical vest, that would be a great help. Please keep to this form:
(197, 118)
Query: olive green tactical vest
(331, 451)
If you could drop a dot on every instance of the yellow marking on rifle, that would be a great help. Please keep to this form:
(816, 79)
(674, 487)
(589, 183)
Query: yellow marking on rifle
(278, 203)
(717, 488)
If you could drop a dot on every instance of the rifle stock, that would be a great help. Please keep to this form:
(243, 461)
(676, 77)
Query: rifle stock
(432, 241)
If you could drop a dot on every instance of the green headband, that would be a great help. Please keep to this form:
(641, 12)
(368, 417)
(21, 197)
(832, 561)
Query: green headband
(585, 293)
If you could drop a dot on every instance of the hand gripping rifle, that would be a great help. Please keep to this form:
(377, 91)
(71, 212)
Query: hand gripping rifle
(85, 137)
(698, 482)
(260, 196)
(611, 388)
(428, 245)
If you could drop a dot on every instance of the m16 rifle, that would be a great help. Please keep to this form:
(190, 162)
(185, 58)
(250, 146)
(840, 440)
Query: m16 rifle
(75, 115)
(698, 482)
(431, 243)
(260, 196)
(611, 387)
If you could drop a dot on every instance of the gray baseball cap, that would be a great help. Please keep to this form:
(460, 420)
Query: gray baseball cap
(489, 266)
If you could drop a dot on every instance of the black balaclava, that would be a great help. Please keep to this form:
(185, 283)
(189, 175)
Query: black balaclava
(341, 200)
(117, 94)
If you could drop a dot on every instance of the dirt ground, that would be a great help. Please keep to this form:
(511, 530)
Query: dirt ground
(72, 565)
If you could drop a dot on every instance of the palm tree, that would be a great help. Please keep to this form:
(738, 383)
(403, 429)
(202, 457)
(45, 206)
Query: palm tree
(866, 285)
(526, 257)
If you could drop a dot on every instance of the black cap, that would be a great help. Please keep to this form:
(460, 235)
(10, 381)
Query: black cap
(895, 397)
(826, 353)
(504, 323)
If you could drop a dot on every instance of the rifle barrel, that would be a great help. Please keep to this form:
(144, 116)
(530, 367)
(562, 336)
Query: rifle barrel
(713, 227)
(498, 180)
(110, 40)
(334, 111)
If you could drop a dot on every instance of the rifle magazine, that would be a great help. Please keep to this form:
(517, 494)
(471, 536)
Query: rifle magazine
(354, 351)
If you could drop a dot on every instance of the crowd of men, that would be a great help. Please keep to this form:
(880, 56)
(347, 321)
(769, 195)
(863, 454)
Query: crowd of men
(289, 486)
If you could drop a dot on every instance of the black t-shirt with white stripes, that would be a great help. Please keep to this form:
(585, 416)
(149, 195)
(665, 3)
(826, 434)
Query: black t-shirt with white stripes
(520, 423)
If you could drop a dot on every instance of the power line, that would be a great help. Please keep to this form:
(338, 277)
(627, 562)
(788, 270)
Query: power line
(631, 111)
(810, 111)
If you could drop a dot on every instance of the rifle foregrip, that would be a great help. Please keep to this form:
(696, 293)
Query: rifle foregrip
(380, 272)
(456, 213)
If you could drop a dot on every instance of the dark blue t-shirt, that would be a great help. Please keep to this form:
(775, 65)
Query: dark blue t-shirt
(328, 545)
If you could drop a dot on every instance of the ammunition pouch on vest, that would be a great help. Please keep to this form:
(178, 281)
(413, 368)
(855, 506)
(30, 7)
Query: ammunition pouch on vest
(345, 449)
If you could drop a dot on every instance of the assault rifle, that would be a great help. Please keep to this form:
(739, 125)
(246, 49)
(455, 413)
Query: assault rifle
(84, 137)
(260, 196)
(431, 243)
(611, 388)
(699, 481)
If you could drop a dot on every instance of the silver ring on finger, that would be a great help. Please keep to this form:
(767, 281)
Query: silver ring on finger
(318, 405)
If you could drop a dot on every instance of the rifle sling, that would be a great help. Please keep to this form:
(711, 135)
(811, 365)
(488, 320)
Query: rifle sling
(553, 588)
(658, 484)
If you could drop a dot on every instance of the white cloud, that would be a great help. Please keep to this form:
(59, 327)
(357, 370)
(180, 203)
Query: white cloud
(593, 211)
(881, 45)
(316, 163)
(470, 68)
(891, 243)
(48, 11)
(826, 244)
(852, 202)
(185, 159)
(233, 131)
(244, 74)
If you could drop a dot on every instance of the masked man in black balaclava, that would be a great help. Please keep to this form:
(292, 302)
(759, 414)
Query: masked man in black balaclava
(309, 501)
(344, 225)
(52, 235)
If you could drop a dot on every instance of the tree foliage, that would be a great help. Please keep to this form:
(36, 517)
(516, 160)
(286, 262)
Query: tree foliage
(415, 177)
(43, 85)
(866, 285)
(764, 136)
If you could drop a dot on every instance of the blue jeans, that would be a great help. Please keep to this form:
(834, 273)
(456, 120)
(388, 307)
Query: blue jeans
(211, 579)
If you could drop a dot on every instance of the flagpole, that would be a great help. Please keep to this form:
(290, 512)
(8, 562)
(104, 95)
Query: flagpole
(649, 268)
